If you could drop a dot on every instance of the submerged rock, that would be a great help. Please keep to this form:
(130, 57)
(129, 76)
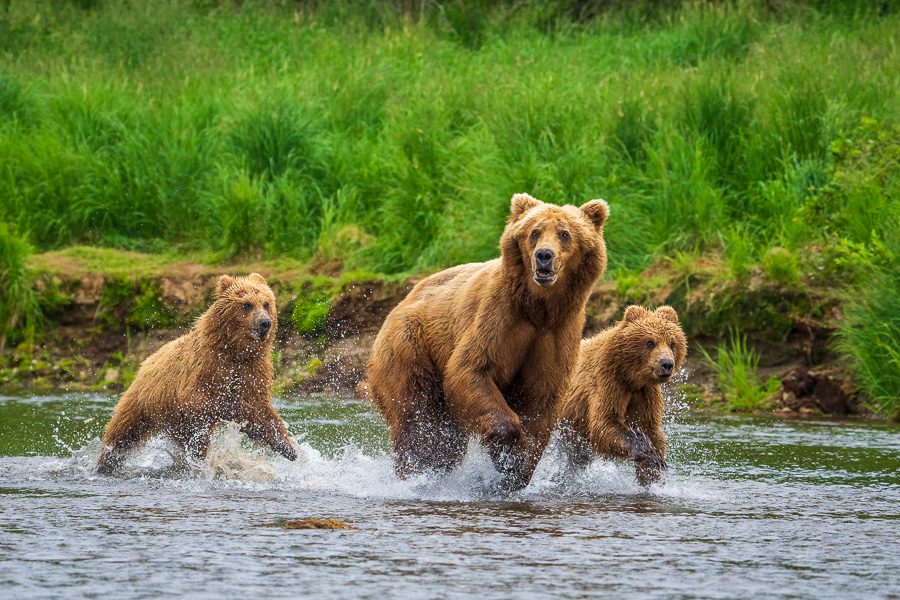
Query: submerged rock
(314, 523)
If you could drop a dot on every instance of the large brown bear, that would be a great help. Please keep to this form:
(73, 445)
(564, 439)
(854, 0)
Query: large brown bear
(219, 371)
(614, 406)
(487, 348)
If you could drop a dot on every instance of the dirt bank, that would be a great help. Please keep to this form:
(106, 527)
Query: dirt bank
(105, 311)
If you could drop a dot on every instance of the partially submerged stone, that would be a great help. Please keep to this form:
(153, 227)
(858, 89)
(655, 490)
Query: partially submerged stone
(314, 523)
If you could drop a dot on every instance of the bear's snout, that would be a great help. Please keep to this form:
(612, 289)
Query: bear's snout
(664, 368)
(263, 325)
(544, 274)
(543, 257)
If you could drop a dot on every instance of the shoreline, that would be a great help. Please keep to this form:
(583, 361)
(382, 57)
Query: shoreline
(107, 310)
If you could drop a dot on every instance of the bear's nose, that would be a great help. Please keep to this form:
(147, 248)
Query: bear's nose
(264, 325)
(666, 365)
(544, 259)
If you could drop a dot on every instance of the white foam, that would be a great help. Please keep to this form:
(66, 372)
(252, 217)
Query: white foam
(234, 460)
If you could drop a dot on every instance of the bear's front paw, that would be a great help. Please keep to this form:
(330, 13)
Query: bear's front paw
(640, 449)
(647, 473)
(500, 433)
(287, 451)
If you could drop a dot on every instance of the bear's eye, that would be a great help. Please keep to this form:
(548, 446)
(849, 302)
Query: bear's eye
(651, 344)
(565, 236)
(266, 307)
(248, 305)
(672, 344)
(534, 235)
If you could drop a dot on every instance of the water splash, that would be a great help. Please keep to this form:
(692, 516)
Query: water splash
(353, 472)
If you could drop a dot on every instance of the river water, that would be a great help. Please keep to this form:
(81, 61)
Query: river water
(750, 508)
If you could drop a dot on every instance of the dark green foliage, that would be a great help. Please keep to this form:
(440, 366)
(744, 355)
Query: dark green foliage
(869, 336)
(19, 311)
(860, 207)
(14, 103)
(236, 129)
(148, 311)
(782, 266)
(125, 304)
(274, 139)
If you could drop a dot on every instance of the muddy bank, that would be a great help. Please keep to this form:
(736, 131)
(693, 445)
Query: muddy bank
(100, 322)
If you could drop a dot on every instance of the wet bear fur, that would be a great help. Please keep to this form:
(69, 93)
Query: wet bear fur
(486, 349)
(219, 371)
(614, 406)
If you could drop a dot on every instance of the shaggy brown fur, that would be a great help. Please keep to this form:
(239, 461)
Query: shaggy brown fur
(487, 348)
(614, 406)
(219, 371)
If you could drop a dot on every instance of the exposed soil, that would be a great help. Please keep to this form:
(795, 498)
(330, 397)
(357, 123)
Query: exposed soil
(95, 339)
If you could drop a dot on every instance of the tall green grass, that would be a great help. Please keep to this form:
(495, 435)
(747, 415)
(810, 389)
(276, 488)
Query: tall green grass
(860, 209)
(736, 366)
(242, 128)
(869, 336)
(389, 136)
(18, 307)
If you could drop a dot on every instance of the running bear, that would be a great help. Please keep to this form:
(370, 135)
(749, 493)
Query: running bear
(486, 349)
(614, 406)
(219, 371)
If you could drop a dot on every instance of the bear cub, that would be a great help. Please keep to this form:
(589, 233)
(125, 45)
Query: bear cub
(614, 403)
(219, 371)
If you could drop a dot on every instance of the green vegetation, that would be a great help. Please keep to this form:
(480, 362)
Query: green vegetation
(869, 337)
(865, 250)
(780, 265)
(312, 304)
(135, 304)
(19, 310)
(264, 130)
(736, 365)
(354, 136)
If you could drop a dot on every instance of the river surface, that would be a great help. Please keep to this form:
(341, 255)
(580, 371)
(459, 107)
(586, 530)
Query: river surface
(750, 508)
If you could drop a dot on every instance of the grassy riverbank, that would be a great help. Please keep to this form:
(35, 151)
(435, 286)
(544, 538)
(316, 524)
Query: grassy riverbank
(762, 137)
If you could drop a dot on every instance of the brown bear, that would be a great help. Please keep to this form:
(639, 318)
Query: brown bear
(221, 370)
(614, 405)
(487, 348)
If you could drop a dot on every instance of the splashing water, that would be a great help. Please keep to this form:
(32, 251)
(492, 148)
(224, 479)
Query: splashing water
(749, 507)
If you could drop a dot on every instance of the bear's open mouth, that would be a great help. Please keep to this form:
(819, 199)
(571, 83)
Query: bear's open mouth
(662, 376)
(544, 278)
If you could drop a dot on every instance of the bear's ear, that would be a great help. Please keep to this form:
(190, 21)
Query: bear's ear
(224, 284)
(635, 312)
(521, 204)
(597, 211)
(257, 278)
(668, 313)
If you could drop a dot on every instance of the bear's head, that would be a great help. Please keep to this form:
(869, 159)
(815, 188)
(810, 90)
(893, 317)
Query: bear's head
(555, 245)
(245, 310)
(650, 345)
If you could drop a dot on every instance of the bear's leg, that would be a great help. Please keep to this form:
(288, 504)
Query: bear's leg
(262, 424)
(424, 435)
(427, 438)
(520, 463)
(575, 447)
(646, 418)
(125, 432)
(193, 437)
(408, 390)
